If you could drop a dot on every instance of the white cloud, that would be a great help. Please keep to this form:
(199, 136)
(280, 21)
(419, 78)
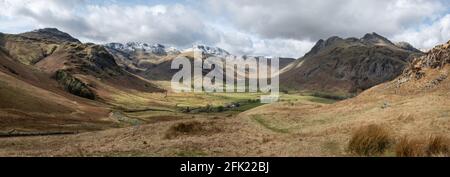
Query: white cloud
(171, 24)
(245, 44)
(40, 13)
(427, 36)
(282, 47)
(264, 27)
(305, 19)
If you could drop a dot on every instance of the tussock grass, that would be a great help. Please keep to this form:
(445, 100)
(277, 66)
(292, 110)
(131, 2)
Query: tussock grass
(407, 147)
(438, 146)
(192, 128)
(434, 146)
(370, 141)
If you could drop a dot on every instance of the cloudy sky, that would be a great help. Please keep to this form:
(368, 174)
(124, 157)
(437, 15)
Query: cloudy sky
(256, 27)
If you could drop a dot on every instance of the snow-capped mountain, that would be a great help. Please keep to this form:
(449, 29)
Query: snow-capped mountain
(157, 49)
(215, 51)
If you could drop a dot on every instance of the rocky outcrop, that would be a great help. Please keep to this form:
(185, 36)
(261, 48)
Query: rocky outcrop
(436, 58)
(74, 85)
(90, 59)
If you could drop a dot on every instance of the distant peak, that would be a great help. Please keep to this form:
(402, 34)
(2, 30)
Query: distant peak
(52, 31)
(321, 44)
(48, 30)
(157, 49)
(159, 45)
(368, 39)
(320, 41)
(317, 47)
(332, 40)
(372, 35)
(407, 46)
(216, 51)
(53, 34)
(374, 38)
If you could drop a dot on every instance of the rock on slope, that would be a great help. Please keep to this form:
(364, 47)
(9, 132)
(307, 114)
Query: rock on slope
(428, 72)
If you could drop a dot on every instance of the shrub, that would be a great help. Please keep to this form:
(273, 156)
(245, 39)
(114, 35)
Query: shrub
(192, 128)
(220, 109)
(186, 110)
(331, 96)
(183, 129)
(210, 109)
(370, 140)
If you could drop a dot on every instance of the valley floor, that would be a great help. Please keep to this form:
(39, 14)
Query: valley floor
(231, 132)
(295, 126)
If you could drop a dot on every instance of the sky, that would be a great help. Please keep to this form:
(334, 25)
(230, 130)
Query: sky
(285, 28)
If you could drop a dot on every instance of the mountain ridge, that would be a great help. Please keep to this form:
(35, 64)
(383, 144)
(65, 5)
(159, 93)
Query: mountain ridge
(52, 34)
(347, 66)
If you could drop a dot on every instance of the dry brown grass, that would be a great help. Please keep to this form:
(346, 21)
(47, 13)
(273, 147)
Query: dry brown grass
(434, 146)
(438, 146)
(369, 141)
(192, 128)
(407, 147)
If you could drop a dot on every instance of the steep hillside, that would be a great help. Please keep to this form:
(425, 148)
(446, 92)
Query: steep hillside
(25, 50)
(76, 66)
(33, 102)
(92, 62)
(51, 82)
(284, 62)
(348, 66)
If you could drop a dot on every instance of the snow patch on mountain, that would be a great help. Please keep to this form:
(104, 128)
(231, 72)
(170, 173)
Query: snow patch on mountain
(208, 50)
(157, 49)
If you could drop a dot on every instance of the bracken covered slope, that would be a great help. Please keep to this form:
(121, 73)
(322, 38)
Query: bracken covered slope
(50, 81)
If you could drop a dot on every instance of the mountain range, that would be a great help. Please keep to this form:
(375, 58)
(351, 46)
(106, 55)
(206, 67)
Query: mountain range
(95, 72)
(117, 99)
